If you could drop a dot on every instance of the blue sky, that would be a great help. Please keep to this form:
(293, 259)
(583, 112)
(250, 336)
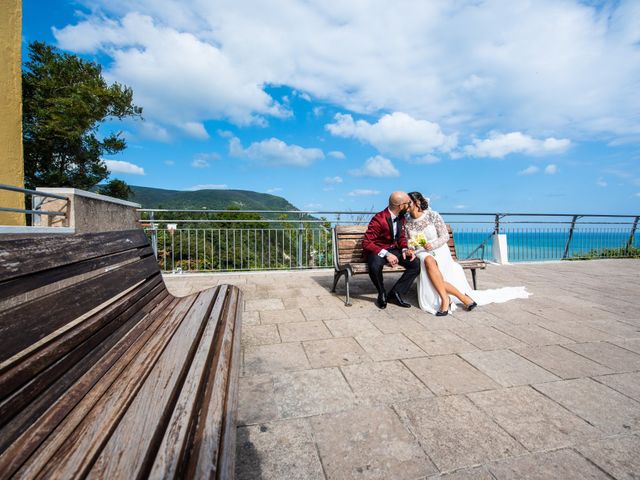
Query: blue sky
(481, 105)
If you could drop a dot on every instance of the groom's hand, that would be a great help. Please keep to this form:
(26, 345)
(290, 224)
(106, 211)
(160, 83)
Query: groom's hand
(409, 253)
(392, 259)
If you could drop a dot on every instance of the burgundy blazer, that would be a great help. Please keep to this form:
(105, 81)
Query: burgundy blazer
(379, 234)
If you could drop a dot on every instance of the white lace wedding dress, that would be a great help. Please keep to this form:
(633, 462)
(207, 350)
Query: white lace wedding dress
(431, 225)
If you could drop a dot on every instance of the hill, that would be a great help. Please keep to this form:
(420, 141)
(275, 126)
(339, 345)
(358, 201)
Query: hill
(207, 199)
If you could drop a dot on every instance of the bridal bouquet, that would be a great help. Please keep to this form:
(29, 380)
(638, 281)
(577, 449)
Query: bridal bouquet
(419, 241)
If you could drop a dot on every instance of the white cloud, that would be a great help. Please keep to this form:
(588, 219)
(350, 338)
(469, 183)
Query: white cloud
(426, 160)
(601, 182)
(377, 166)
(195, 130)
(169, 163)
(200, 163)
(498, 145)
(120, 166)
(461, 207)
(637, 194)
(209, 186)
(530, 170)
(275, 152)
(397, 134)
(359, 192)
(332, 180)
(551, 169)
(274, 190)
(337, 154)
(549, 68)
(313, 205)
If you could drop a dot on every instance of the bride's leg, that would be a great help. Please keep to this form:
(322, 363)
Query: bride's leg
(438, 281)
(466, 299)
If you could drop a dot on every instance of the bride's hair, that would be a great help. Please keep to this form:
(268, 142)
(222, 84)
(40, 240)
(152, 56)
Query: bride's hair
(419, 200)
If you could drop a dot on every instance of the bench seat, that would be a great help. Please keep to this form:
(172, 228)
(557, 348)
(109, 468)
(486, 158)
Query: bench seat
(104, 373)
(349, 258)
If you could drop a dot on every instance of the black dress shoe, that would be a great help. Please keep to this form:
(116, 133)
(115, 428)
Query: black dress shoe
(394, 297)
(381, 302)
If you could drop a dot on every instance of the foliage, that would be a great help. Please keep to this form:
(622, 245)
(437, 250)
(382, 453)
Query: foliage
(117, 189)
(623, 252)
(65, 101)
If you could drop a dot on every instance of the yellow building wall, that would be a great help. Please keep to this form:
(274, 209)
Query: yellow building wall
(11, 158)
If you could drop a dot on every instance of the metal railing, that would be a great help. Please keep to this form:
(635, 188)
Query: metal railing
(243, 240)
(37, 204)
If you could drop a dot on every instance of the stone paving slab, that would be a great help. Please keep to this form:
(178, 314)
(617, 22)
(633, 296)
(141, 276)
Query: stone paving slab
(299, 332)
(335, 352)
(281, 316)
(369, 443)
(259, 335)
(390, 347)
(563, 464)
(378, 383)
(449, 374)
(440, 342)
(455, 433)
(508, 368)
(352, 327)
(277, 450)
(488, 338)
(562, 362)
(616, 358)
(626, 383)
(274, 358)
(535, 421)
(598, 404)
(619, 456)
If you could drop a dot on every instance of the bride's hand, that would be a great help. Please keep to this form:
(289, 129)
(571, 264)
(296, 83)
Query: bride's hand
(428, 247)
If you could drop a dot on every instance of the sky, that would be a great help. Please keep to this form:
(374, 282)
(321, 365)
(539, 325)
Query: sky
(483, 106)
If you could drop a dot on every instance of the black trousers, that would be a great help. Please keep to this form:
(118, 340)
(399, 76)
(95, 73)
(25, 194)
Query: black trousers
(403, 284)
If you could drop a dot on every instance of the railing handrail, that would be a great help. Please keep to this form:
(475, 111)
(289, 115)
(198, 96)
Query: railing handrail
(371, 212)
(32, 192)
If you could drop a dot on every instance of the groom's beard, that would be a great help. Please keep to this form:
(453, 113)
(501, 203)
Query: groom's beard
(402, 212)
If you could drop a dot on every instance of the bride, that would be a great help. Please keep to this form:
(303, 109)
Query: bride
(442, 281)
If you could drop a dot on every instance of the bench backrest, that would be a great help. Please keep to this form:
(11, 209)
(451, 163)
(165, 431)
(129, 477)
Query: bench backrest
(61, 300)
(347, 244)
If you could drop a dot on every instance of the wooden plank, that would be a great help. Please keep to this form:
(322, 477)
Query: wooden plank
(36, 280)
(32, 401)
(174, 446)
(29, 255)
(139, 345)
(227, 456)
(147, 416)
(12, 375)
(350, 229)
(29, 322)
(206, 442)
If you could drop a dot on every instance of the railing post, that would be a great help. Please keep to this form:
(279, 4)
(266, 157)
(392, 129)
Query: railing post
(566, 247)
(632, 234)
(300, 240)
(497, 227)
(154, 236)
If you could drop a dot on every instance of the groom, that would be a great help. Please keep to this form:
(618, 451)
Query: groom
(385, 244)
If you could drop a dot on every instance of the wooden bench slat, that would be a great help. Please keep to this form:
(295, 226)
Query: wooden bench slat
(31, 282)
(95, 382)
(211, 427)
(34, 320)
(150, 411)
(29, 255)
(71, 449)
(173, 447)
(55, 380)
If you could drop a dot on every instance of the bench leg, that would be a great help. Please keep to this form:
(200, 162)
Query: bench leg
(473, 276)
(336, 277)
(347, 303)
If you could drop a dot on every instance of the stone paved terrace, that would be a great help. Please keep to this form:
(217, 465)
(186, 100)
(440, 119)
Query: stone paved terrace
(547, 387)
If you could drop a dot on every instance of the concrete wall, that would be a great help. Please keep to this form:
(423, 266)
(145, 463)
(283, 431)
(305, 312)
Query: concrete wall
(11, 162)
(87, 212)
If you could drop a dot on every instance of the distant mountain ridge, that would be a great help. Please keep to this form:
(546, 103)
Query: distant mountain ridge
(207, 199)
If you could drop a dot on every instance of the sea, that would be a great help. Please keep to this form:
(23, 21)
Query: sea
(547, 244)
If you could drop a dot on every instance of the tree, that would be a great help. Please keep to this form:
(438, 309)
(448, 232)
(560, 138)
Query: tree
(117, 189)
(65, 100)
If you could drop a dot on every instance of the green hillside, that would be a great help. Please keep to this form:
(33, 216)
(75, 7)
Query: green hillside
(207, 199)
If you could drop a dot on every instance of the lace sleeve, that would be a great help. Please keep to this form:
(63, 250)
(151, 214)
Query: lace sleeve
(441, 228)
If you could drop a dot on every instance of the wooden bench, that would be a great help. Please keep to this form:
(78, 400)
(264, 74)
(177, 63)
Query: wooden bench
(349, 256)
(105, 374)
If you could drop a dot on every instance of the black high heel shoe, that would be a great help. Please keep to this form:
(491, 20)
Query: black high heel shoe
(443, 313)
(471, 306)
